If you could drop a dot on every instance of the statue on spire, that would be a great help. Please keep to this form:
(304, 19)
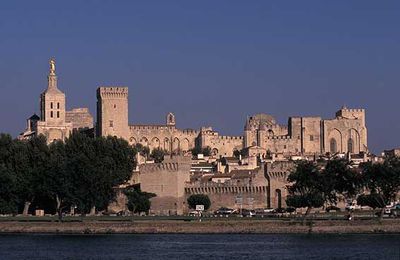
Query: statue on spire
(52, 66)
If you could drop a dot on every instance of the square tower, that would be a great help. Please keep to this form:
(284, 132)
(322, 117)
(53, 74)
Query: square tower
(112, 112)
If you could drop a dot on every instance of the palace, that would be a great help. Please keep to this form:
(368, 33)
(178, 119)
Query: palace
(256, 177)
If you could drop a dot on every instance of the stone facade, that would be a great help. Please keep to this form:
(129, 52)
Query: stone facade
(238, 189)
(346, 132)
(80, 118)
(167, 180)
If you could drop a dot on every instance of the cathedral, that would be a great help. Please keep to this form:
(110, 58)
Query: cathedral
(55, 122)
(307, 136)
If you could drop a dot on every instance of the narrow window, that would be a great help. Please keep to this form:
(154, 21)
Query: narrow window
(51, 105)
(333, 146)
(115, 106)
(58, 114)
(58, 105)
(111, 123)
(51, 114)
(350, 146)
(311, 138)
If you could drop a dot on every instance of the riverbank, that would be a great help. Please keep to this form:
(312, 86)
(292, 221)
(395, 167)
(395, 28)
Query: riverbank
(207, 226)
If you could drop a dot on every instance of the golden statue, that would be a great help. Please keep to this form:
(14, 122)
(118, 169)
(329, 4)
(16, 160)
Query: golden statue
(52, 66)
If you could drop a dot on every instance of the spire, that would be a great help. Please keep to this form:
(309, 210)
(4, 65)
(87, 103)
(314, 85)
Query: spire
(52, 77)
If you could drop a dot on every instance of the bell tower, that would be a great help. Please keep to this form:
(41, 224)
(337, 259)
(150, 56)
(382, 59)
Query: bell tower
(52, 109)
(52, 100)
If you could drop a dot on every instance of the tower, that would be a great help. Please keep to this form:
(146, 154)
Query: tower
(52, 109)
(112, 112)
(52, 100)
(170, 119)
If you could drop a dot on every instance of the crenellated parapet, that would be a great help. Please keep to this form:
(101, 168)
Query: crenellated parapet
(159, 167)
(112, 92)
(224, 189)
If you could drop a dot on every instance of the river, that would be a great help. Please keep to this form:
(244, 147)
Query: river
(200, 246)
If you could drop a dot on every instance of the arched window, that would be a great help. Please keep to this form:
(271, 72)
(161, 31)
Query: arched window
(350, 146)
(333, 146)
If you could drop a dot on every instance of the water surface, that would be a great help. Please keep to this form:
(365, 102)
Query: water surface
(199, 246)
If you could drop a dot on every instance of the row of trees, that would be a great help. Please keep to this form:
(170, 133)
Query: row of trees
(81, 172)
(373, 184)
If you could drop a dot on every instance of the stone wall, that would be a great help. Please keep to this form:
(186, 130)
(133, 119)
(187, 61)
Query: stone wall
(80, 118)
(167, 180)
(166, 137)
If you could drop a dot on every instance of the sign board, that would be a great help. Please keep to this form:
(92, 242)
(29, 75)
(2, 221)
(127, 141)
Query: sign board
(200, 207)
(239, 199)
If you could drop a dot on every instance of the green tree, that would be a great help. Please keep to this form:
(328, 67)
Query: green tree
(198, 150)
(238, 153)
(306, 190)
(199, 199)
(8, 188)
(158, 155)
(138, 201)
(142, 150)
(340, 179)
(59, 184)
(31, 158)
(97, 167)
(383, 182)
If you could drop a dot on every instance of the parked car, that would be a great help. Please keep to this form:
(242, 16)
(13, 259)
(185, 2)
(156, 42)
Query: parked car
(332, 208)
(280, 210)
(264, 211)
(224, 211)
(248, 213)
(194, 213)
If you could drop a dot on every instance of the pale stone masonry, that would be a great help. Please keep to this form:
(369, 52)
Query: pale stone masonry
(346, 132)
(55, 123)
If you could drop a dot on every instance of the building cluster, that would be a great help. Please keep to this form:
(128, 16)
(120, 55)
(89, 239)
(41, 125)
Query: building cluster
(248, 171)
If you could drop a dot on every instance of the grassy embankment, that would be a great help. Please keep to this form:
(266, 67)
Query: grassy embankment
(184, 224)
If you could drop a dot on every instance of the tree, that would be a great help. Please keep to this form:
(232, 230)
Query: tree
(306, 190)
(138, 201)
(142, 150)
(238, 153)
(199, 199)
(198, 150)
(59, 184)
(8, 195)
(158, 155)
(383, 182)
(340, 179)
(30, 158)
(8, 181)
(97, 167)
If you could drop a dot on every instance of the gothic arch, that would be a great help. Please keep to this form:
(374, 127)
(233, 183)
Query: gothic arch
(354, 135)
(214, 151)
(176, 144)
(167, 146)
(333, 146)
(155, 143)
(350, 145)
(185, 145)
(144, 141)
(336, 135)
(132, 140)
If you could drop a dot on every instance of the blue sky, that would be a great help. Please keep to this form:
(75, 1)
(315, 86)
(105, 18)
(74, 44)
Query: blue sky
(209, 62)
